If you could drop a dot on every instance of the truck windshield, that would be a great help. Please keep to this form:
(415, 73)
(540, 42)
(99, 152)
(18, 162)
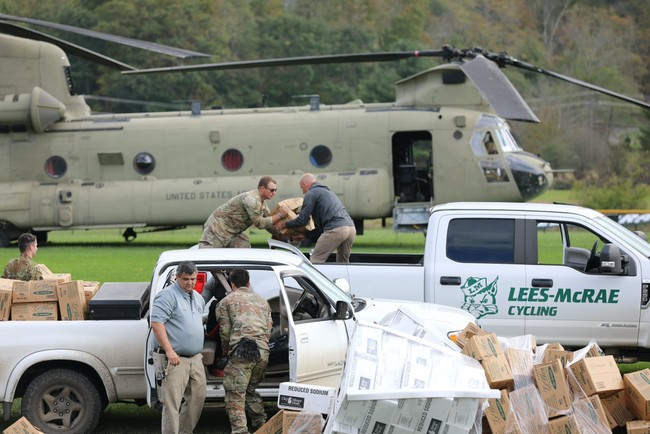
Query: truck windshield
(329, 289)
(626, 235)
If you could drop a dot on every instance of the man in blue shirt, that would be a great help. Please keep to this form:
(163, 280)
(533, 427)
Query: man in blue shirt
(177, 323)
(330, 216)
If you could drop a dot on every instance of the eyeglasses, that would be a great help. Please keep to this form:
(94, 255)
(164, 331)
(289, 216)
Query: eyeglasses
(272, 190)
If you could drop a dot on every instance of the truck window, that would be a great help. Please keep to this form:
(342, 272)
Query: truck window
(481, 240)
(561, 243)
(305, 302)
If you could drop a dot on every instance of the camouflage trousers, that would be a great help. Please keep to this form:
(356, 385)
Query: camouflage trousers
(241, 378)
(210, 240)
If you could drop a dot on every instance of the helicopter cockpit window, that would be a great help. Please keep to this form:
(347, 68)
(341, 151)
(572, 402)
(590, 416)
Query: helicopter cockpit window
(320, 156)
(507, 140)
(494, 171)
(144, 163)
(56, 167)
(232, 160)
(483, 144)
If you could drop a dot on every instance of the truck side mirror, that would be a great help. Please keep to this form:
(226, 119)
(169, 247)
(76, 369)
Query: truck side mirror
(343, 310)
(611, 260)
(642, 235)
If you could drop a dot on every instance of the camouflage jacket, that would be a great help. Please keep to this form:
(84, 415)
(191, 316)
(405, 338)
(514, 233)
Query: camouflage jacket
(22, 268)
(244, 314)
(238, 214)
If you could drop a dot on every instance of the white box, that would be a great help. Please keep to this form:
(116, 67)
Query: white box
(306, 397)
(368, 416)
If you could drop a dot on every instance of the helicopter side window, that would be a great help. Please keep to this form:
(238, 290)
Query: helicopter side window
(56, 167)
(320, 156)
(232, 160)
(144, 163)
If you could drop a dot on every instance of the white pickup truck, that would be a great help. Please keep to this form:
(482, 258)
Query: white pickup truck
(67, 372)
(560, 272)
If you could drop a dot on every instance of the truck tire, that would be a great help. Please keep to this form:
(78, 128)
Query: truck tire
(62, 401)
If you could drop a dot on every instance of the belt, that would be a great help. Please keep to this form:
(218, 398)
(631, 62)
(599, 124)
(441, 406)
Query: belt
(161, 351)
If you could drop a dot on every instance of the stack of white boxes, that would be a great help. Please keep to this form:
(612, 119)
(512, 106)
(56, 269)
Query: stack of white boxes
(395, 382)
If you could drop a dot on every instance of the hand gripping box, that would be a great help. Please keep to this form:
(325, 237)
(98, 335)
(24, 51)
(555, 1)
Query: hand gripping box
(306, 397)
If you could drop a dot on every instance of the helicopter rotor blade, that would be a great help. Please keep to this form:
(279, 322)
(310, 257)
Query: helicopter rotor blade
(93, 56)
(294, 61)
(150, 46)
(498, 90)
(503, 59)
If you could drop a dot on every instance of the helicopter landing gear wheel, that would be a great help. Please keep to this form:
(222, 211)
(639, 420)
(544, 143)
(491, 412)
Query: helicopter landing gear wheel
(129, 235)
(4, 238)
(41, 237)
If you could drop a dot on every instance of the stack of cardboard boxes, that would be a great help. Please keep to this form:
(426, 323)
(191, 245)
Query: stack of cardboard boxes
(547, 389)
(53, 298)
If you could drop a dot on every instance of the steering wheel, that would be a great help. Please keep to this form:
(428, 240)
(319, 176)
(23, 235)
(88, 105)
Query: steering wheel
(593, 261)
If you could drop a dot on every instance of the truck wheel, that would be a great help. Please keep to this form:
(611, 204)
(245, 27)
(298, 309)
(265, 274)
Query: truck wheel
(62, 401)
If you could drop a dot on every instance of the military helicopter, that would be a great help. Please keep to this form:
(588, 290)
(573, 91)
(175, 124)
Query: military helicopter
(63, 167)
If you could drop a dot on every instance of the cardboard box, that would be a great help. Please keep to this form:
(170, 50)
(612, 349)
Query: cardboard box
(521, 364)
(292, 422)
(306, 397)
(616, 410)
(367, 413)
(527, 404)
(303, 422)
(563, 355)
(6, 296)
(275, 424)
(90, 289)
(44, 311)
(21, 426)
(294, 204)
(72, 301)
(497, 413)
(637, 391)
(638, 427)
(480, 347)
(553, 387)
(563, 425)
(35, 291)
(497, 371)
(470, 330)
(596, 375)
(590, 413)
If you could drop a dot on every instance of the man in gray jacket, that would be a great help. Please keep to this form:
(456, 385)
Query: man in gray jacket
(330, 216)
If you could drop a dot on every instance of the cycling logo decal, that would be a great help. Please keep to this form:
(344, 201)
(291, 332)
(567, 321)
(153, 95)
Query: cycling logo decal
(480, 297)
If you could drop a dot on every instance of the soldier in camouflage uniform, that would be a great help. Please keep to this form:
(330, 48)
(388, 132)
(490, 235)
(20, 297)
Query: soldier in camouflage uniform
(226, 225)
(245, 328)
(24, 267)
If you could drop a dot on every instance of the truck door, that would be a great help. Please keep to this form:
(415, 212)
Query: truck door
(317, 343)
(569, 299)
(477, 264)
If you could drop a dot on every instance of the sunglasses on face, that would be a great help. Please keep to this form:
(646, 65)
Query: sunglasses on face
(272, 190)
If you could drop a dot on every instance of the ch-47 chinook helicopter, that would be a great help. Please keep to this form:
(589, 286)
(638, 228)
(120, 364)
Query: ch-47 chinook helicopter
(62, 167)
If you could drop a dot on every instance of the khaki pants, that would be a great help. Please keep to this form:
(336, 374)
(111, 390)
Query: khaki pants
(340, 238)
(185, 380)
